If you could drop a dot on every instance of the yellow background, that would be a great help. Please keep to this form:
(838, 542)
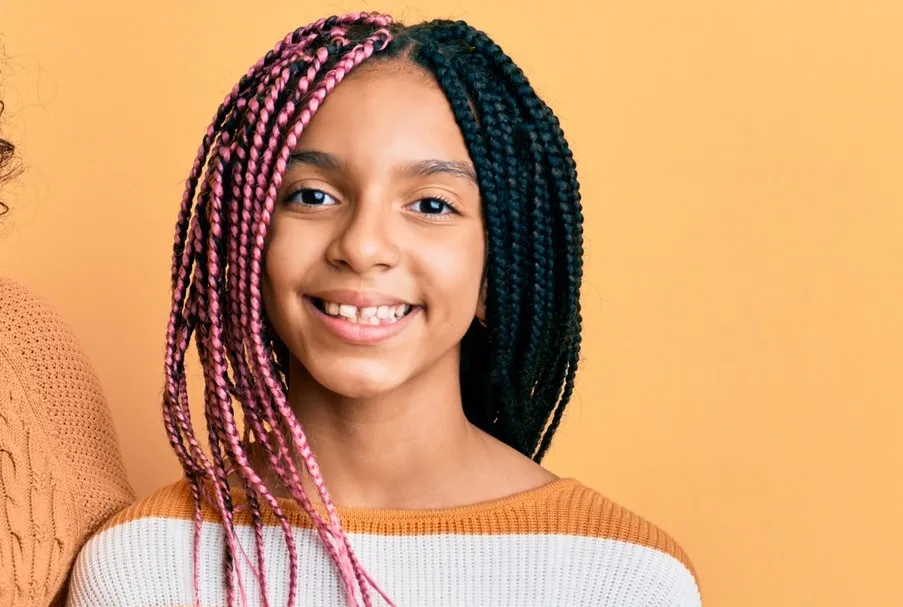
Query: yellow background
(741, 165)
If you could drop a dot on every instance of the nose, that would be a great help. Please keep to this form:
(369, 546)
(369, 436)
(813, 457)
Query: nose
(364, 241)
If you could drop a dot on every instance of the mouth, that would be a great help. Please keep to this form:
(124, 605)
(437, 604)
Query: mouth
(371, 315)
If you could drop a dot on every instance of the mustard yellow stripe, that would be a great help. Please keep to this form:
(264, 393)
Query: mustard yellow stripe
(563, 507)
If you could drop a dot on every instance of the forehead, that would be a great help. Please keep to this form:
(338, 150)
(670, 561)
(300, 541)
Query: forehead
(386, 112)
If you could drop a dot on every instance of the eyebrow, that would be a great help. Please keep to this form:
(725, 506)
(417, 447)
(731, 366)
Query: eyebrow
(321, 160)
(421, 168)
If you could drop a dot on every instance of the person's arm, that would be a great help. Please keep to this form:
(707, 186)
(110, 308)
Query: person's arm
(61, 471)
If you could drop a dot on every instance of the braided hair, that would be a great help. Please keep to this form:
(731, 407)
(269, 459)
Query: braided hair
(517, 371)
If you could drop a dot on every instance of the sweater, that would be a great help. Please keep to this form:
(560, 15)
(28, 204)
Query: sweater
(61, 473)
(560, 545)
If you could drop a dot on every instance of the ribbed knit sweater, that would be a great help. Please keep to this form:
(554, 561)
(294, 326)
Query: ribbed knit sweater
(561, 545)
(61, 473)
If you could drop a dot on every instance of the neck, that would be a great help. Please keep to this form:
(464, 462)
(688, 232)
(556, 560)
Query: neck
(411, 448)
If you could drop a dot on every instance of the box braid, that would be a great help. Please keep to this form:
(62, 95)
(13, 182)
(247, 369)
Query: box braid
(531, 204)
(517, 371)
(219, 244)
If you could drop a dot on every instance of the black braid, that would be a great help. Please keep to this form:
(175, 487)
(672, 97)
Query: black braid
(552, 397)
(517, 375)
(499, 292)
(503, 196)
(500, 116)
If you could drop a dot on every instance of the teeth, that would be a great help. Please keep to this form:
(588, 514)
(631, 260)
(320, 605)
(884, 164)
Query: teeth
(371, 315)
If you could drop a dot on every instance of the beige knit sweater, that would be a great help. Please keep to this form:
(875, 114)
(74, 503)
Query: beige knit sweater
(61, 473)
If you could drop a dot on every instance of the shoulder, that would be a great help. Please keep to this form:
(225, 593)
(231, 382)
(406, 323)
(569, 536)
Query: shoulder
(150, 540)
(38, 334)
(22, 307)
(32, 331)
(621, 545)
(587, 512)
(45, 519)
(173, 502)
(11, 290)
(34, 335)
(65, 474)
(66, 403)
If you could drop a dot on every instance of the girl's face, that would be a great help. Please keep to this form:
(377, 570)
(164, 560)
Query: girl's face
(376, 247)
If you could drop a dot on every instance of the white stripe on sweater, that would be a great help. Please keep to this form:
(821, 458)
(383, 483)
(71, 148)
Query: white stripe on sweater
(148, 563)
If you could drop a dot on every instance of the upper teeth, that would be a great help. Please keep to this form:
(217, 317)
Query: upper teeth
(370, 314)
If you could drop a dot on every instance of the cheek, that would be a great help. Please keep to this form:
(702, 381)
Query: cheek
(455, 271)
(289, 254)
(284, 266)
(277, 264)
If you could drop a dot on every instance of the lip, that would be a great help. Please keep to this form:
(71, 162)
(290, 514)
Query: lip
(359, 334)
(359, 299)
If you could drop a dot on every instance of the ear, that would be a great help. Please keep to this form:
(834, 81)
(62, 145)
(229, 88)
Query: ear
(481, 306)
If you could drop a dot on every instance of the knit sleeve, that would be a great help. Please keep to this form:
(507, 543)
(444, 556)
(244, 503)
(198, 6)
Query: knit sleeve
(61, 470)
(36, 513)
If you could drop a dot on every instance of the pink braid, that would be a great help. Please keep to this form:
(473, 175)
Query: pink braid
(330, 82)
(217, 379)
(238, 255)
(175, 400)
(252, 170)
(254, 108)
(176, 393)
(214, 420)
(223, 240)
(353, 58)
(242, 392)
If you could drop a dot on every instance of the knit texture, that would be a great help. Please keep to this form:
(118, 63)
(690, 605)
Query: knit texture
(561, 545)
(61, 473)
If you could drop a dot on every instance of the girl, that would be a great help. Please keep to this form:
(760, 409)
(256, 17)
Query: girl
(379, 255)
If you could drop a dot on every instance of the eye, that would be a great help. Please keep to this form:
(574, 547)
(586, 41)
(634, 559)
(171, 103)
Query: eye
(433, 206)
(311, 198)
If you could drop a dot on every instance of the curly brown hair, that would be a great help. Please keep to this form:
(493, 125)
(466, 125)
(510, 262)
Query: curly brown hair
(7, 165)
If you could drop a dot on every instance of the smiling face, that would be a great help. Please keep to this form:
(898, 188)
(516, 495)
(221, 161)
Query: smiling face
(376, 247)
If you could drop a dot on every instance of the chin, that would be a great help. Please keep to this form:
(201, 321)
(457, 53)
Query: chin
(358, 379)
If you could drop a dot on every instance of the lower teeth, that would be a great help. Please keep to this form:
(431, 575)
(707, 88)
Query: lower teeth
(373, 320)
